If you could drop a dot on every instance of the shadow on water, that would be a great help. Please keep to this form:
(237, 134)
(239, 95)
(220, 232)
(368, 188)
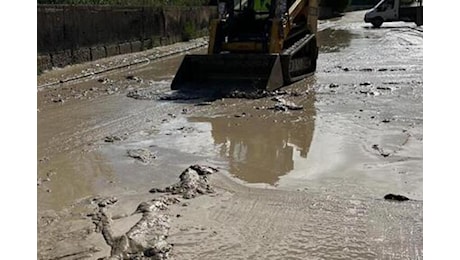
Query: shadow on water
(259, 148)
(331, 40)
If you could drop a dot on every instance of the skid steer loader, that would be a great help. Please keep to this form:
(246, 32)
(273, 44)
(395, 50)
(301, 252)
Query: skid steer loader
(254, 45)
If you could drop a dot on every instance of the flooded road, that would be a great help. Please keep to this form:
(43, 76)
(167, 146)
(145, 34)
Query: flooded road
(302, 184)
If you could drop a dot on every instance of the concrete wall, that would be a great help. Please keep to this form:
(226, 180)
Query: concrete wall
(68, 34)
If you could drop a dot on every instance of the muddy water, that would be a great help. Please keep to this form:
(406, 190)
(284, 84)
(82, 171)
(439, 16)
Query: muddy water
(358, 137)
(258, 148)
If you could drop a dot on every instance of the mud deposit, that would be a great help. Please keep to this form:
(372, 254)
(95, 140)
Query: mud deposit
(327, 168)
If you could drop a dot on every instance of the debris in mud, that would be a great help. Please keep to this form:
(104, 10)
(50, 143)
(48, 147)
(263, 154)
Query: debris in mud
(186, 129)
(180, 95)
(137, 79)
(367, 83)
(155, 205)
(332, 85)
(395, 197)
(114, 138)
(146, 239)
(240, 115)
(384, 88)
(104, 80)
(382, 69)
(143, 155)
(142, 94)
(104, 201)
(366, 70)
(58, 100)
(380, 150)
(111, 90)
(203, 104)
(342, 68)
(193, 181)
(41, 180)
(250, 94)
(284, 105)
(369, 92)
(386, 120)
(44, 159)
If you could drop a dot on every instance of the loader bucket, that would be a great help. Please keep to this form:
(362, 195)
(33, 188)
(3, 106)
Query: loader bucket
(227, 72)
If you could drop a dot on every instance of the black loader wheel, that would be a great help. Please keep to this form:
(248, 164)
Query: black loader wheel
(377, 22)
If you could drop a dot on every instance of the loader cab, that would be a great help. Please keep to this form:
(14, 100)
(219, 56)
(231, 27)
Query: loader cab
(246, 25)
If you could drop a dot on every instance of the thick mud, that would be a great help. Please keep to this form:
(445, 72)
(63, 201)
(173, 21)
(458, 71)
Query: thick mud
(327, 168)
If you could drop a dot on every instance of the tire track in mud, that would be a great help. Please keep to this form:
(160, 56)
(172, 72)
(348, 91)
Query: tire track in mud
(259, 223)
(90, 131)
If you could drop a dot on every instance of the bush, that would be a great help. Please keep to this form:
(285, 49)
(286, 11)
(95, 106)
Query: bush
(189, 31)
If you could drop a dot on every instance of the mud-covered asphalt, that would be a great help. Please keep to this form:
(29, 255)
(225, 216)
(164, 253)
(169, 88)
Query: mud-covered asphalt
(303, 182)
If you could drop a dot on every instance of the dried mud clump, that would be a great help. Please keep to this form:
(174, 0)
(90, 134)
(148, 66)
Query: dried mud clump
(142, 94)
(146, 239)
(114, 138)
(193, 182)
(142, 155)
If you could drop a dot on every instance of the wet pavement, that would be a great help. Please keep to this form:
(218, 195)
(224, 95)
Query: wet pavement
(357, 132)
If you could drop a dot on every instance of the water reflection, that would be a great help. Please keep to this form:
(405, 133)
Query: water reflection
(260, 150)
(331, 40)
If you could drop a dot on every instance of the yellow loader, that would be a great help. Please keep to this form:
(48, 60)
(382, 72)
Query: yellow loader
(254, 45)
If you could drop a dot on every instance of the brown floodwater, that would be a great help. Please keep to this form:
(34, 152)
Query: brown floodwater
(359, 133)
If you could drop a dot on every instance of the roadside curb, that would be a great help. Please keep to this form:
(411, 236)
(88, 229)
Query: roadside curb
(200, 42)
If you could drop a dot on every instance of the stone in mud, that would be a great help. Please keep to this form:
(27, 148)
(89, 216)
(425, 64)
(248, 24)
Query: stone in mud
(137, 79)
(332, 85)
(114, 138)
(103, 80)
(44, 159)
(384, 88)
(193, 182)
(143, 155)
(395, 197)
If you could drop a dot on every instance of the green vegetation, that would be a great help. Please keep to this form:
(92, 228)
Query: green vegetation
(189, 31)
(337, 6)
(128, 2)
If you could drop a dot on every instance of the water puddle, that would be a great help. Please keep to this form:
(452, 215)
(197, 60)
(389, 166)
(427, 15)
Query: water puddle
(259, 150)
(333, 40)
